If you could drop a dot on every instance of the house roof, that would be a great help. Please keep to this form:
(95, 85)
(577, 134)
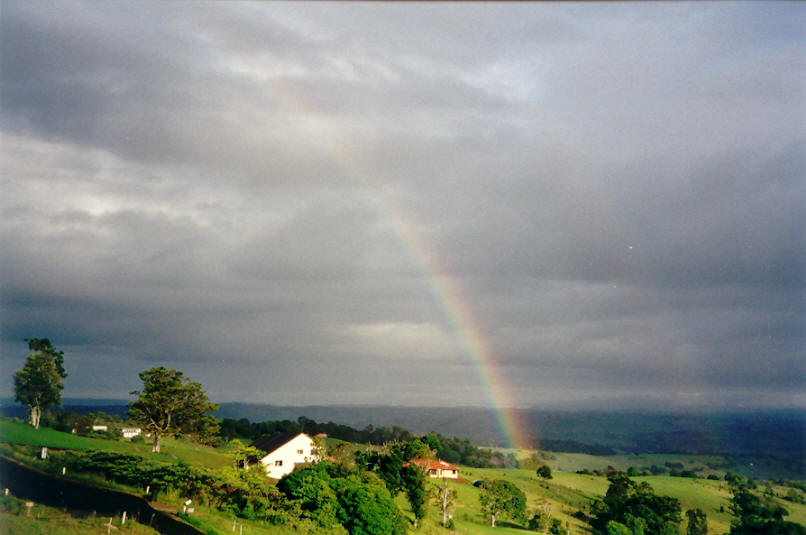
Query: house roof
(269, 443)
(432, 464)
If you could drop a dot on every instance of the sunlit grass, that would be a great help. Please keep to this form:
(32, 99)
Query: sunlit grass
(173, 450)
(44, 520)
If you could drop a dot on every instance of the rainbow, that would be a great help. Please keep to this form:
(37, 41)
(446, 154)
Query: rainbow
(445, 291)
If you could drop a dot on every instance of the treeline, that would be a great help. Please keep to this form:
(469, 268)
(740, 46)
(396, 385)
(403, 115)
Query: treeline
(572, 446)
(454, 450)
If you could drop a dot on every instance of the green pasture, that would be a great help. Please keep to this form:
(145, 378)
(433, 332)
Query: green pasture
(15, 519)
(173, 450)
(571, 462)
(217, 523)
(567, 492)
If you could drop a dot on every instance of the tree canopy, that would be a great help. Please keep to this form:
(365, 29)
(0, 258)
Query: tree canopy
(500, 497)
(544, 472)
(171, 403)
(40, 382)
(756, 516)
(355, 501)
(635, 506)
(398, 475)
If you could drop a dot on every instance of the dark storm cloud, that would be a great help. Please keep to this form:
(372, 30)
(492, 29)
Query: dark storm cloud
(259, 194)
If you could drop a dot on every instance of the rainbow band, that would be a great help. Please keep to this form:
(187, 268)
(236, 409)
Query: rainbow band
(445, 292)
(467, 332)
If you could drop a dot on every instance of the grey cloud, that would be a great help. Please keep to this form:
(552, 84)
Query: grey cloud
(616, 192)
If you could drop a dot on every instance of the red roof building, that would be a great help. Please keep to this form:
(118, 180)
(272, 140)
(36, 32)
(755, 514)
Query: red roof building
(436, 467)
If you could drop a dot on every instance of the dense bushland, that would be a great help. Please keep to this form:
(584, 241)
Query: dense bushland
(453, 450)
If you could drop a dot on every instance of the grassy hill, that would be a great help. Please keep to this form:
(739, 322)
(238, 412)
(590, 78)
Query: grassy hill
(17, 519)
(173, 450)
(564, 496)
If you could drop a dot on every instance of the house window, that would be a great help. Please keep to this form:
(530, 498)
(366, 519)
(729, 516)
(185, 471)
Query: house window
(278, 463)
(299, 452)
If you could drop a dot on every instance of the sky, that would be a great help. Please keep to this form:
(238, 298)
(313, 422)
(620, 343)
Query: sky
(520, 204)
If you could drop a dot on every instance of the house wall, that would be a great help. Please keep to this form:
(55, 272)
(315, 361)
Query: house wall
(450, 474)
(288, 455)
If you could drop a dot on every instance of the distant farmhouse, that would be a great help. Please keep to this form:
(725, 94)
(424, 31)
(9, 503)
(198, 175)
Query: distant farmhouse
(129, 432)
(436, 467)
(283, 451)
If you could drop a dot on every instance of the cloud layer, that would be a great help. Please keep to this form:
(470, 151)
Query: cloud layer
(267, 195)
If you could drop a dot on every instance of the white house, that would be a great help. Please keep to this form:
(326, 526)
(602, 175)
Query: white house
(100, 428)
(283, 451)
(129, 432)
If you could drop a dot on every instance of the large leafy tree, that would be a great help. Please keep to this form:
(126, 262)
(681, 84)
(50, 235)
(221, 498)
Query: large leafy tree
(398, 475)
(40, 382)
(356, 501)
(634, 504)
(413, 479)
(170, 403)
(500, 497)
(756, 516)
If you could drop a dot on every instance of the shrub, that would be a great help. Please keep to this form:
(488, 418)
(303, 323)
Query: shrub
(10, 505)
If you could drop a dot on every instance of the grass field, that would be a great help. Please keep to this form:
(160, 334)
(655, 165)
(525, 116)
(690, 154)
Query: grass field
(571, 462)
(17, 519)
(567, 492)
(172, 450)
(215, 523)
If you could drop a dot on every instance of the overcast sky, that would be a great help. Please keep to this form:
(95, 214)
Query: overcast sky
(274, 198)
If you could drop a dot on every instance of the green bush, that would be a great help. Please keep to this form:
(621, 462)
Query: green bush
(11, 505)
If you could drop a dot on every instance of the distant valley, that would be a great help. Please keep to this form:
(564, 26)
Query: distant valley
(775, 436)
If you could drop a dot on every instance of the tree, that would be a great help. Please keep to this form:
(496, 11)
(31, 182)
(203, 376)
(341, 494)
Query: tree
(312, 488)
(756, 516)
(697, 522)
(541, 518)
(170, 403)
(544, 472)
(413, 479)
(445, 498)
(398, 475)
(432, 441)
(636, 506)
(40, 382)
(359, 502)
(367, 507)
(241, 453)
(83, 425)
(617, 528)
(499, 496)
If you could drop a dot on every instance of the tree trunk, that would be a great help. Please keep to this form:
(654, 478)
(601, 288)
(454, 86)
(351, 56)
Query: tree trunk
(155, 448)
(444, 497)
(36, 414)
(492, 520)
